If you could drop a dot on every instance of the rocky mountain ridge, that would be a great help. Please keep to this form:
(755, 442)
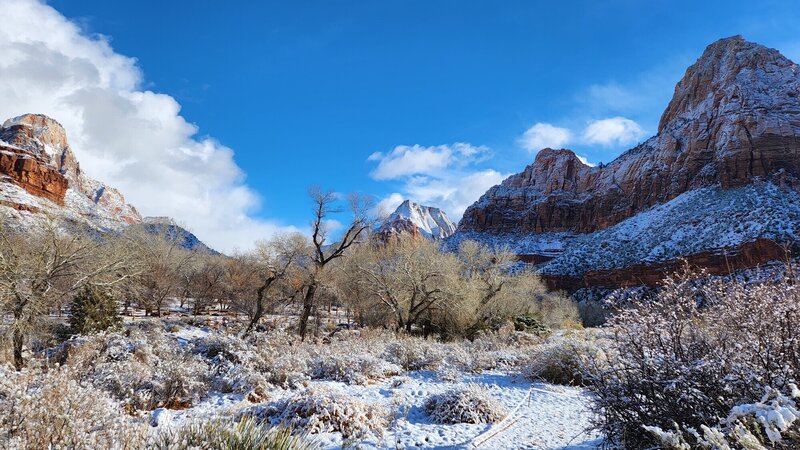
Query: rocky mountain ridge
(729, 137)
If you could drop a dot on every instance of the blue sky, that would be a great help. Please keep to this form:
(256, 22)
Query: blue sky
(325, 92)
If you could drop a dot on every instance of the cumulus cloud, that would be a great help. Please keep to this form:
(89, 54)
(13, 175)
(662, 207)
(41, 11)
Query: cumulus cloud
(542, 135)
(613, 131)
(407, 160)
(388, 204)
(444, 176)
(129, 137)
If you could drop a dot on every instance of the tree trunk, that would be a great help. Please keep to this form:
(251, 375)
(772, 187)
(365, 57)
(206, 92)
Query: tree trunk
(18, 340)
(308, 304)
(259, 310)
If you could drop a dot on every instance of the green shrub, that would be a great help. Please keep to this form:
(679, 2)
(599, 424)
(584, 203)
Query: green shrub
(93, 310)
(530, 324)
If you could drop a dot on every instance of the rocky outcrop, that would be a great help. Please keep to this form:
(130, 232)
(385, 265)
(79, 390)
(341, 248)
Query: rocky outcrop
(735, 115)
(32, 174)
(727, 146)
(413, 218)
(35, 156)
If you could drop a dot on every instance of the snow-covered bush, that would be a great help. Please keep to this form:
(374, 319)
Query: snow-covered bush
(413, 354)
(52, 410)
(236, 364)
(470, 404)
(771, 422)
(247, 434)
(325, 410)
(693, 353)
(146, 371)
(562, 359)
(353, 368)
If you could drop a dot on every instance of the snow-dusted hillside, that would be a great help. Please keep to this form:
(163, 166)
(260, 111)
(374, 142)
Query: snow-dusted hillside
(699, 220)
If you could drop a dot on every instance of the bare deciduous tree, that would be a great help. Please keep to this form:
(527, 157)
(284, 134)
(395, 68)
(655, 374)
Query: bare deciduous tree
(323, 251)
(163, 259)
(409, 276)
(271, 275)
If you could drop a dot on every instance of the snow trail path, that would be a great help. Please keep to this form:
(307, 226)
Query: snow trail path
(550, 417)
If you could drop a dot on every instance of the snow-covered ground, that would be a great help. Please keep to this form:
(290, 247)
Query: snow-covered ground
(542, 415)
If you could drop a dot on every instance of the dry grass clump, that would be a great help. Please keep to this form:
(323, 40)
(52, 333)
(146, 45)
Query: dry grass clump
(52, 410)
(471, 404)
(326, 410)
(247, 434)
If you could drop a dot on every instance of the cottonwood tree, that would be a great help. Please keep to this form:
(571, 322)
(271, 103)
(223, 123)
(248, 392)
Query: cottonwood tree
(495, 291)
(42, 266)
(409, 281)
(268, 276)
(324, 250)
(202, 278)
(409, 277)
(163, 259)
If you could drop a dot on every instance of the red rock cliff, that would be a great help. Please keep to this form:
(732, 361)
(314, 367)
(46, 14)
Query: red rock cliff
(735, 115)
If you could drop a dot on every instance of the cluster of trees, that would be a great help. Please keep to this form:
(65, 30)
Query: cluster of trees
(407, 283)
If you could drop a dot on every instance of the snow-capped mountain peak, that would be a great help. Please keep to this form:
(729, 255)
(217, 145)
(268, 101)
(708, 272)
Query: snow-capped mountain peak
(414, 218)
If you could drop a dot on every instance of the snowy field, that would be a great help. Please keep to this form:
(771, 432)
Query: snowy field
(543, 416)
(539, 415)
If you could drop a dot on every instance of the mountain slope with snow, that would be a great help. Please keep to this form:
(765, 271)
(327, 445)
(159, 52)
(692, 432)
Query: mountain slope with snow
(411, 217)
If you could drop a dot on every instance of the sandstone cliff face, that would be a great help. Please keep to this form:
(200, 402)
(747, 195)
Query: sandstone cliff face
(35, 176)
(735, 115)
(727, 146)
(36, 157)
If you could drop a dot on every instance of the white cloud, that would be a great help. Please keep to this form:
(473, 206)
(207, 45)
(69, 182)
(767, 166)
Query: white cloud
(543, 135)
(389, 204)
(131, 138)
(443, 176)
(613, 131)
(407, 160)
(455, 193)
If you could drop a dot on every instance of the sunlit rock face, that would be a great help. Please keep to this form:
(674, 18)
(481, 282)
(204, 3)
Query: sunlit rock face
(40, 175)
(728, 137)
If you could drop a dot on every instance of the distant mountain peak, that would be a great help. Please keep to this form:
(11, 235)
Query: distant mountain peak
(411, 217)
(731, 76)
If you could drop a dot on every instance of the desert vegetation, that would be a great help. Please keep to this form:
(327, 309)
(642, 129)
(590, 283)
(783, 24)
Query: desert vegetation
(702, 365)
(130, 341)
